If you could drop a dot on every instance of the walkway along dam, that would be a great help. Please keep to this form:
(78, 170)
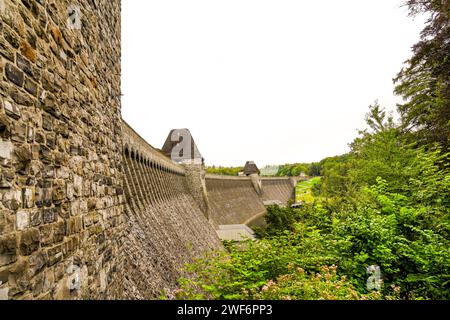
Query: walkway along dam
(88, 209)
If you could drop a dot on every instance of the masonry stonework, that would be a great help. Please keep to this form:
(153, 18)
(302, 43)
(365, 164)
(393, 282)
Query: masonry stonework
(88, 209)
(61, 199)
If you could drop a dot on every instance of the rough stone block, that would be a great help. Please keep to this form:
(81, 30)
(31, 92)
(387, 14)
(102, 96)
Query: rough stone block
(69, 191)
(6, 49)
(30, 134)
(14, 74)
(78, 185)
(74, 225)
(43, 197)
(55, 255)
(28, 51)
(5, 127)
(49, 215)
(12, 110)
(29, 241)
(6, 148)
(45, 154)
(4, 293)
(51, 107)
(103, 280)
(48, 172)
(20, 97)
(19, 132)
(4, 275)
(36, 263)
(59, 190)
(59, 231)
(22, 220)
(30, 86)
(28, 197)
(23, 153)
(36, 218)
(51, 140)
(12, 199)
(47, 122)
(24, 64)
(8, 248)
(46, 232)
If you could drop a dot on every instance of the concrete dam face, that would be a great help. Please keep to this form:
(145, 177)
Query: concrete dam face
(88, 209)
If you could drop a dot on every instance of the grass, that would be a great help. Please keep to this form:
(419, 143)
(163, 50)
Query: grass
(303, 191)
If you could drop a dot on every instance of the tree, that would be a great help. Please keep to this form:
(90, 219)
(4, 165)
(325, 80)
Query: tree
(424, 82)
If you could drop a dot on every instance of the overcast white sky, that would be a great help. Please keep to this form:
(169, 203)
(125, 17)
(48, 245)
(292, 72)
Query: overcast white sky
(274, 81)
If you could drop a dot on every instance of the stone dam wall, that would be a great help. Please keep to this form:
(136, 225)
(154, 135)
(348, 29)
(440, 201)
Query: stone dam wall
(166, 226)
(280, 189)
(233, 200)
(88, 209)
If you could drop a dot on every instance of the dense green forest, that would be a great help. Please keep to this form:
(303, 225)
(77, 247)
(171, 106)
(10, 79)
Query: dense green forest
(379, 223)
(295, 169)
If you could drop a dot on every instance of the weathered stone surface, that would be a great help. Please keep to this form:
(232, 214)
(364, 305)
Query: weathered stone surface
(12, 199)
(28, 197)
(4, 274)
(11, 37)
(29, 241)
(47, 122)
(55, 255)
(43, 197)
(13, 74)
(20, 97)
(46, 233)
(6, 50)
(6, 148)
(22, 220)
(36, 218)
(24, 64)
(30, 86)
(4, 293)
(8, 247)
(36, 263)
(12, 110)
(27, 50)
(74, 225)
(59, 231)
(19, 132)
(23, 153)
(49, 215)
(5, 127)
(45, 154)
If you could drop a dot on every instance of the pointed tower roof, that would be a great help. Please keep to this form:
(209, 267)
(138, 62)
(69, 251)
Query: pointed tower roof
(250, 168)
(181, 148)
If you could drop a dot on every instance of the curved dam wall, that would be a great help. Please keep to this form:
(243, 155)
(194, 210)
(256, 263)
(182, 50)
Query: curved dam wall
(166, 226)
(280, 189)
(232, 200)
(241, 200)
